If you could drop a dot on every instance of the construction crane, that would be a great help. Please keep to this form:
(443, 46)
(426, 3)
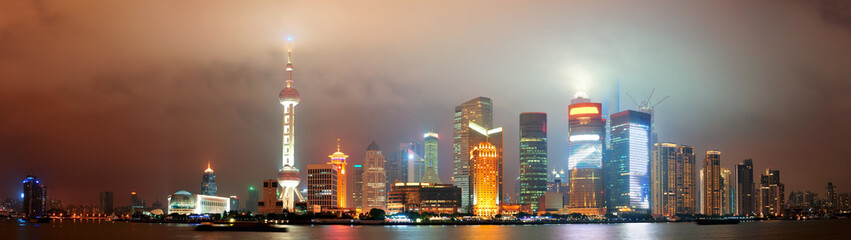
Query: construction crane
(645, 106)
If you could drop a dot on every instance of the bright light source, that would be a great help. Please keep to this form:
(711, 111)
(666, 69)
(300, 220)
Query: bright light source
(584, 110)
(585, 137)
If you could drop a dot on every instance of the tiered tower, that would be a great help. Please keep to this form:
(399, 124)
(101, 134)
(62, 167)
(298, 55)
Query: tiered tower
(338, 159)
(288, 176)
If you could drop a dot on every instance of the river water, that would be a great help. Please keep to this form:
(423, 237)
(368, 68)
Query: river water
(809, 230)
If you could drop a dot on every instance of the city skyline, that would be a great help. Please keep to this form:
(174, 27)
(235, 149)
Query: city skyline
(220, 107)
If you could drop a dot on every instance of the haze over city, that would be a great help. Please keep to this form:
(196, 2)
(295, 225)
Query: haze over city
(121, 96)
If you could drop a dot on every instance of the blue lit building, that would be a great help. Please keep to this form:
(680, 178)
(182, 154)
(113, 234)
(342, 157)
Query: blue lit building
(34, 197)
(628, 162)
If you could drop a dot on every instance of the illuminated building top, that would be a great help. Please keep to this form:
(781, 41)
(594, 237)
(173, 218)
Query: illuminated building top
(208, 170)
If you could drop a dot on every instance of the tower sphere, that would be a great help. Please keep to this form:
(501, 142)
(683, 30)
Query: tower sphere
(289, 96)
(288, 177)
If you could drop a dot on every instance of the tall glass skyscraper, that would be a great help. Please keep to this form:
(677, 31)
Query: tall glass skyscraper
(374, 177)
(430, 148)
(479, 111)
(585, 163)
(672, 180)
(34, 197)
(533, 158)
(627, 167)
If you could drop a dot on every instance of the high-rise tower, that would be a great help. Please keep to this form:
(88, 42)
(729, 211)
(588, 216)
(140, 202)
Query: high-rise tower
(745, 188)
(533, 158)
(288, 176)
(627, 168)
(711, 176)
(585, 163)
(430, 145)
(208, 182)
(479, 111)
(338, 159)
(374, 177)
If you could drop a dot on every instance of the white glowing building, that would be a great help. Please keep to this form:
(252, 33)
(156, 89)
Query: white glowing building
(183, 202)
(288, 176)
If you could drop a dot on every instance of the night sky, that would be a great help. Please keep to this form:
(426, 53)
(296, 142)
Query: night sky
(139, 95)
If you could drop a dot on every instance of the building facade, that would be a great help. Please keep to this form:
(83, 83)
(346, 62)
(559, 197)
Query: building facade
(270, 202)
(484, 179)
(374, 177)
(711, 178)
(479, 111)
(478, 135)
(322, 187)
(253, 199)
(586, 134)
(424, 197)
(745, 188)
(728, 193)
(533, 158)
(627, 170)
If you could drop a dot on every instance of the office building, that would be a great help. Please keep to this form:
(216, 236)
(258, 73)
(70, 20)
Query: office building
(586, 133)
(322, 188)
(479, 111)
(745, 188)
(728, 192)
(484, 179)
(208, 182)
(430, 150)
(357, 186)
(772, 198)
(479, 135)
(374, 179)
(711, 178)
(627, 167)
(106, 202)
(234, 203)
(532, 183)
(830, 196)
(424, 198)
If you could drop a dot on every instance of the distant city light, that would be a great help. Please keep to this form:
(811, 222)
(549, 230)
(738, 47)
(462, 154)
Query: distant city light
(22, 195)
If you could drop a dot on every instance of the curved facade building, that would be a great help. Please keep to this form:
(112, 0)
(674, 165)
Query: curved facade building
(181, 202)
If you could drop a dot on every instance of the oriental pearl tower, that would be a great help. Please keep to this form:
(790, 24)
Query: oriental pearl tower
(288, 176)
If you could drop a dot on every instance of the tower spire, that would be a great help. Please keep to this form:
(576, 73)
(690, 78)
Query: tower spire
(338, 144)
(289, 62)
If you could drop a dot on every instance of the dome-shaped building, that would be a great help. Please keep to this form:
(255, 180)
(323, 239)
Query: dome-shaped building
(181, 202)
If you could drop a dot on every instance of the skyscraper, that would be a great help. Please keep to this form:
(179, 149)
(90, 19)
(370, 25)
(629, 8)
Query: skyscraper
(772, 197)
(415, 164)
(357, 189)
(687, 187)
(477, 110)
(322, 188)
(34, 197)
(627, 173)
(234, 203)
(338, 159)
(745, 188)
(485, 179)
(728, 195)
(711, 176)
(533, 158)
(106, 203)
(664, 179)
(476, 136)
(288, 175)
(830, 196)
(374, 188)
(585, 145)
(430, 148)
(397, 166)
(208, 182)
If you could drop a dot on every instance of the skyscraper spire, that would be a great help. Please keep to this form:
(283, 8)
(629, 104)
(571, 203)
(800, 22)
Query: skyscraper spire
(289, 62)
(338, 144)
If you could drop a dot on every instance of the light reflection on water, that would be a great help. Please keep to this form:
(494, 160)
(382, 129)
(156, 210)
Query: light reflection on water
(818, 229)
